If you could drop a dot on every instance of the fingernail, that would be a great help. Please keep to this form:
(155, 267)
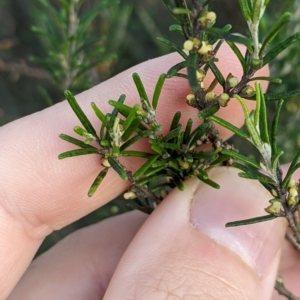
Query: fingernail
(237, 199)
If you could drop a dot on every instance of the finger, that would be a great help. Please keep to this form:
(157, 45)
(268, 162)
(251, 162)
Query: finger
(184, 251)
(41, 193)
(81, 265)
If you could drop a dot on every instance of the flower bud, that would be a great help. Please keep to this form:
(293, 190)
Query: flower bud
(292, 201)
(188, 45)
(105, 163)
(210, 96)
(293, 192)
(211, 16)
(274, 208)
(223, 99)
(200, 74)
(232, 82)
(205, 48)
(129, 195)
(247, 91)
(197, 42)
(292, 183)
(190, 98)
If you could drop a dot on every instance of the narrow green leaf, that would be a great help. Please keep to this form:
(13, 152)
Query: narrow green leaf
(292, 168)
(275, 160)
(175, 120)
(178, 183)
(229, 126)
(163, 145)
(173, 46)
(279, 48)
(283, 95)
(173, 134)
(270, 79)
(209, 111)
(120, 106)
(274, 127)
(217, 73)
(137, 137)
(132, 128)
(197, 133)
(145, 166)
(184, 19)
(274, 30)
(176, 27)
(238, 54)
(79, 113)
(97, 182)
(251, 221)
(151, 177)
(98, 112)
(121, 101)
(187, 131)
(191, 61)
(179, 11)
(214, 39)
(245, 9)
(130, 117)
(263, 118)
(78, 152)
(208, 181)
(241, 157)
(140, 87)
(157, 90)
(75, 141)
(119, 169)
(136, 154)
(251, 173)
(173, 70)
(228, 36)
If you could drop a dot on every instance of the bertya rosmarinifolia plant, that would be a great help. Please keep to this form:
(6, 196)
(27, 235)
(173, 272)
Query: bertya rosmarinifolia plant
(176, 155)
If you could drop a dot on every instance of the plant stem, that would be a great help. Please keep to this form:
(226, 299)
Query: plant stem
(282, 290)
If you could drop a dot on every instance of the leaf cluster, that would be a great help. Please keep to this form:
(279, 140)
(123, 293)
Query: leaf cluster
(72, 48)
(176, 156)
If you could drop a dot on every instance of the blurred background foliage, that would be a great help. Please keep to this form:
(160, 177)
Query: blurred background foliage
(47, 46)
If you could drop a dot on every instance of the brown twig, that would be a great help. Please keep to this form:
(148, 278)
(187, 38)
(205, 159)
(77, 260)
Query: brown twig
(282, 290)
(291, 238)
(21, 68)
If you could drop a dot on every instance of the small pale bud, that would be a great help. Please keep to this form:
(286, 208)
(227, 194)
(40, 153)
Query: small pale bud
(210, 96)
(293, 192)
(211, 16)
(292, 183)
(105, 163)
(232, 82)
(129, 195)
(205, 48)
(197, 42)
(188, 45)
(274, 193)
(274, 208)
(200, 74)
(223, 99)
(190, 98)
(292, 201)
(247, 91)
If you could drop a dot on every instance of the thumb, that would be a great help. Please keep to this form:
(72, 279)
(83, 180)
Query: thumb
(184, 251)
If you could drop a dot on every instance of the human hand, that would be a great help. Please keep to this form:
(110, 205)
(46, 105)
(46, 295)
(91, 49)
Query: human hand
(182, 251)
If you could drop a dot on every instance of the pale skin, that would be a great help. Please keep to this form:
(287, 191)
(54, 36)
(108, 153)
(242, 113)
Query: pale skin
(181, 251)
